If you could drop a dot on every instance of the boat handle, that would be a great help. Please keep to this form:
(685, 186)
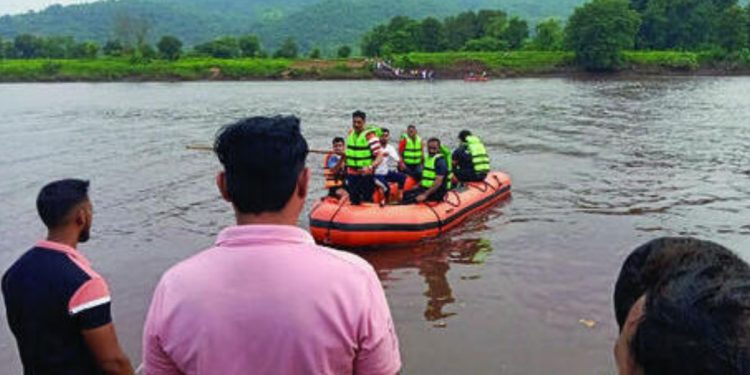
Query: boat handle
(458, 199)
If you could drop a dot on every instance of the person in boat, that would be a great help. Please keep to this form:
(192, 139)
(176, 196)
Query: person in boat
(386, 172)
(265, 298)
(682, 308)
(363, 155)
(334, 169)
(411, 149)
(435, 176)
(471, 163)
(58, 308)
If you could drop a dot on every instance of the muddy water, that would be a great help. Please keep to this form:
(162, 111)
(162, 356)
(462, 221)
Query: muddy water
(598, 167)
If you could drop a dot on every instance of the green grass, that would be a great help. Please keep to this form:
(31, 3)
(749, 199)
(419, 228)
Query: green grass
(124, 69)
(672, 60)
(446, 63)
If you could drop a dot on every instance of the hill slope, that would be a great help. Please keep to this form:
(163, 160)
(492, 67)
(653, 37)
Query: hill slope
(322, 23)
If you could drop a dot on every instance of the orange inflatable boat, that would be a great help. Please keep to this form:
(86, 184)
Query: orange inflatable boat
(339, 223)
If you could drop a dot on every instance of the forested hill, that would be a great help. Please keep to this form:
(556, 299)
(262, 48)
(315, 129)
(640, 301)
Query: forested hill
(320, 23)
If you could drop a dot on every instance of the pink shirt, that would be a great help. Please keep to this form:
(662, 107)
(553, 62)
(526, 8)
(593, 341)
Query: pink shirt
(267, 300)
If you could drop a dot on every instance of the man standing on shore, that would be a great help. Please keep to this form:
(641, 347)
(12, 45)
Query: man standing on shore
(58, 307)
(265, 299)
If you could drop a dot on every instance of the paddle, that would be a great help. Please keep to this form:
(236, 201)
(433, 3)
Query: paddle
(209, 148)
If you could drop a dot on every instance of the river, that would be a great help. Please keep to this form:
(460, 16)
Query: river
(599, 166)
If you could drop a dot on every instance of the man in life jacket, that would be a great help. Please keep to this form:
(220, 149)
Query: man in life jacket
(334, 169)
(386, 172)
(411, 149)
(471, 163)
(435, 176)
(362, 157)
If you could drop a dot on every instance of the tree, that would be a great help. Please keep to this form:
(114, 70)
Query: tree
(57, 47)
(599, 31)
(249, 45)
(431, 35)
(492, 22)
(344, 52)
(112, 48)
(222, 48)
(374, 40)
(516, 33)
(732, 33)
(678, 24)
(288, 49)
(85, 50)
(460, 29)
(549, 36)
(315, 53)
(170, 47)
(28, 46)
(485, 44)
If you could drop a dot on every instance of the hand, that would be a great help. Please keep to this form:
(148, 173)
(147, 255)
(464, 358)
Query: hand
(401, 166)
(367, 171)
(421, 198)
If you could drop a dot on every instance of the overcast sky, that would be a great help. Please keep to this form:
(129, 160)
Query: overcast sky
(21, 6)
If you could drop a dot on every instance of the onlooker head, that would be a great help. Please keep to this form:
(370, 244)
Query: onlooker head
(64, 206)
(683, 307)
(339, 146)
(359, 119)
(264, 166)
(463, 134)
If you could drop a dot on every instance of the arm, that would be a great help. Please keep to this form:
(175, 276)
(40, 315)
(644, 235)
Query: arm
(438, 182)
(378, 352)
(376, 150)
(155, 360)
(102, 342)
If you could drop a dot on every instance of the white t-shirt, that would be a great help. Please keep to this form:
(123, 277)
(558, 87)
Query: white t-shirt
(390, 159)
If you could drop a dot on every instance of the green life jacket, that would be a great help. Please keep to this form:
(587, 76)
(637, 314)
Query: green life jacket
(428, 172)
(358, 154)
(479, 158)
(413, 151)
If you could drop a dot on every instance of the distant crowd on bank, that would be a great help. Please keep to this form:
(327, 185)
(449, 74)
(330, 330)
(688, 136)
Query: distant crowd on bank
(266, 299)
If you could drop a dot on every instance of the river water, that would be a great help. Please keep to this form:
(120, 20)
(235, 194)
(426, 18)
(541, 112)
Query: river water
(599, 166)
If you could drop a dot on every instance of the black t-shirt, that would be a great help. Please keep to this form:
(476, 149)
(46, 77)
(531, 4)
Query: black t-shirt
(462, 157)
(51, 295)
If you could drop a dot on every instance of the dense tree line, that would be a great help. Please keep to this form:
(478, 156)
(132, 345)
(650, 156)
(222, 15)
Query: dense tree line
(598, 31)
(27, 46)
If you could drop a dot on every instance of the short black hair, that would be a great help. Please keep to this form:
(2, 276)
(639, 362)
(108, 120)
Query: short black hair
(412, 127)
(337, 140)
(359, 114)
(695, 318)
(647, 262)
(58, 198)
(262, 158)
(433, 139)
(463, 134)
(385, 130)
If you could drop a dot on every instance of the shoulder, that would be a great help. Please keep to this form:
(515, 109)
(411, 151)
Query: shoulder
(348, 261)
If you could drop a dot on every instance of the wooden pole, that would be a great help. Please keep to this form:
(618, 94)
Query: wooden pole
(209, 148)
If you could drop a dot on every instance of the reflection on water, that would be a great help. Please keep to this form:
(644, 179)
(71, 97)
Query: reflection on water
(433, 259)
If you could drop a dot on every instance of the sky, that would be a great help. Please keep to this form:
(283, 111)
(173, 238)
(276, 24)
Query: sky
(21, 6)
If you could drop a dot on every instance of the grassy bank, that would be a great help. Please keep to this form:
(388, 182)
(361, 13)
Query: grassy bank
(446, 65)
(182, 70)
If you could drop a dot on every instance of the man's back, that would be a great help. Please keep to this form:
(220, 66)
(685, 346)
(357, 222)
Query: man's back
(50, 296)
(267, 300)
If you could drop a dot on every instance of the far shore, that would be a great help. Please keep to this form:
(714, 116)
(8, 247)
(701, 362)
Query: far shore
(442, 66)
